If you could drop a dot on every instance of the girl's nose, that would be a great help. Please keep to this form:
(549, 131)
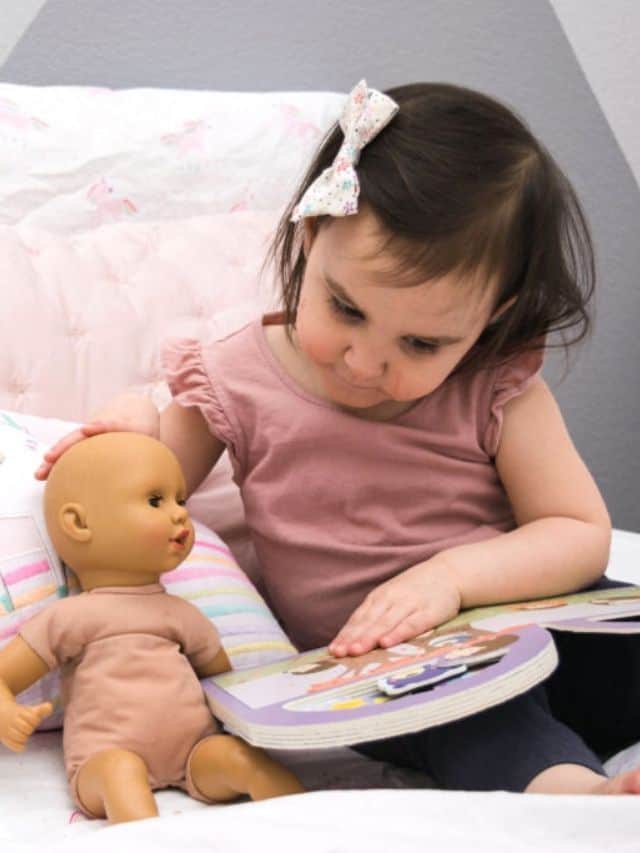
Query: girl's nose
(364, 365)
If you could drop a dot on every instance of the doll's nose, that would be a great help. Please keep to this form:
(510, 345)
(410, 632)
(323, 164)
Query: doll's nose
(179, 512)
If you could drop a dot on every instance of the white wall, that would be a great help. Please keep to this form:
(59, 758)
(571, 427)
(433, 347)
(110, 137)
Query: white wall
(15, 17)
(570, 67)
(606, 41)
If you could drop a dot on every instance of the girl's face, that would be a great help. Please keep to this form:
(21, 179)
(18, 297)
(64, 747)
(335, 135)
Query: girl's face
(368, 343)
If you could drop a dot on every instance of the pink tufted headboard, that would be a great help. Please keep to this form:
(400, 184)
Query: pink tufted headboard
(130, 216)
(82, 316)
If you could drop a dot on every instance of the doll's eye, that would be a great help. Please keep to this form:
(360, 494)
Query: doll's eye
(181, 501)
(154, 500)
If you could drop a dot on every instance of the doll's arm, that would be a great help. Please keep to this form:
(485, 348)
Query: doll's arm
(20, 667)
(219, 664)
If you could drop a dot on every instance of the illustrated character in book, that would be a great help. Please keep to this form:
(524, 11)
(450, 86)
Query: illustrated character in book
(135, 715)
(462, 643)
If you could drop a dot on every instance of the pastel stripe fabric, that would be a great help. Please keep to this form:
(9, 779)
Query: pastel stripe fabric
(210, 578)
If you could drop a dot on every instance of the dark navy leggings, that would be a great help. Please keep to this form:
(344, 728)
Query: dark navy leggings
(586, 711)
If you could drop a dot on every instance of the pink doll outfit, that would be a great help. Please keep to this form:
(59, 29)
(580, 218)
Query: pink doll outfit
(337, 504)
(128, 656)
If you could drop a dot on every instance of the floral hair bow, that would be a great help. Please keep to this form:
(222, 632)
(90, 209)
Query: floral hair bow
(335, 192)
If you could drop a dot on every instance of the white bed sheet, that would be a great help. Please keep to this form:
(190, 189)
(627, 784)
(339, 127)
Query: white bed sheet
(36, 814)
(354, 805)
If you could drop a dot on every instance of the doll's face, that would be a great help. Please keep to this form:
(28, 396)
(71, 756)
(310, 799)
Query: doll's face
(143, 512)
(118, 516)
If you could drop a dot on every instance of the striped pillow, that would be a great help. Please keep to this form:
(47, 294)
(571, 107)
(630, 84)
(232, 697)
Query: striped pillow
(212, 580)
(32, 576)
(209, 578)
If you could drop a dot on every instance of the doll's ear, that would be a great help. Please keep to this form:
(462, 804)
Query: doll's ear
(72, 518)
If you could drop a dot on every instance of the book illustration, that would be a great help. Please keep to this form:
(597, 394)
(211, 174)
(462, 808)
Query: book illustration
(286, 705)
(477, 660)
(425, 675)
(342, 679)
(584, 611)
(358, 681)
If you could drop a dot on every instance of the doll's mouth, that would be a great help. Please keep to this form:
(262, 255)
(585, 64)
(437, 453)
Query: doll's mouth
(181, 538)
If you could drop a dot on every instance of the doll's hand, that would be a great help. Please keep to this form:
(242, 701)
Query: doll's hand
(18, 722)
(127, 413)
(420, 598)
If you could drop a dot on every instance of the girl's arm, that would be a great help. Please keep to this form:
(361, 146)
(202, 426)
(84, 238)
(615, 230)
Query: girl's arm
(20, 667)
(185, 431)
(562, 540)
(561, 543)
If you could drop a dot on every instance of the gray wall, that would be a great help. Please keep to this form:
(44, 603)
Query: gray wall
(513, 49)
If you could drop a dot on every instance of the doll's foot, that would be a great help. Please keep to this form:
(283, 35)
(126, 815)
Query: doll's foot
(271, 779)
(224, 768)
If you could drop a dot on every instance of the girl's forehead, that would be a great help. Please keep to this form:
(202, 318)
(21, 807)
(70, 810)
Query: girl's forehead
(351, 256)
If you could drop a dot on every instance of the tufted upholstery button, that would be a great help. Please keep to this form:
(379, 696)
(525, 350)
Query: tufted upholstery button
(18, 387)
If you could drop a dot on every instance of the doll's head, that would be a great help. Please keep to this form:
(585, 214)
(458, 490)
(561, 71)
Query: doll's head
(114, 508)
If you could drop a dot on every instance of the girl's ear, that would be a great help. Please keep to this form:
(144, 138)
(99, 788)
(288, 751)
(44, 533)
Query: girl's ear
(500, 310)
(310, 226)
(72, 518)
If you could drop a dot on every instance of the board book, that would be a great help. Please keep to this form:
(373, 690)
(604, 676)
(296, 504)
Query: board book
(479, 659)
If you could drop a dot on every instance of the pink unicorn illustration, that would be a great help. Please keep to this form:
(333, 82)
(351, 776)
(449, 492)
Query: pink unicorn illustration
(295, 126)
(12, 115)
(191, 139)
(109, 206)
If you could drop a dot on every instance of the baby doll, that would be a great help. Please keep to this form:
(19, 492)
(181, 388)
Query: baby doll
(136, 718)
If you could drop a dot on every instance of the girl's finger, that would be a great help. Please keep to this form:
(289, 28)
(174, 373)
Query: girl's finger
(339, 643)
(405, 629)
(63, 444)
(95, 428)
(370, 633)
(360, 637)
(55, 451)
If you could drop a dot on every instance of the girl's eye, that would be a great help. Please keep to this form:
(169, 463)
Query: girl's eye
(155, 500)
(181, 502)
(419, 346)
(344, 311)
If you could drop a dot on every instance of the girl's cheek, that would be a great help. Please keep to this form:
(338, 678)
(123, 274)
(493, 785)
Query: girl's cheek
(417, 382)
(315, 339)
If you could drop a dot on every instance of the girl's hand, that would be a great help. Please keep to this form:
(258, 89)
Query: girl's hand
(18, 722)
(420, 598)
(127, 413)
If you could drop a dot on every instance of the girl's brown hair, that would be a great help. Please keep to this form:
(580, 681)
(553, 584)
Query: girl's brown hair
(460, 185)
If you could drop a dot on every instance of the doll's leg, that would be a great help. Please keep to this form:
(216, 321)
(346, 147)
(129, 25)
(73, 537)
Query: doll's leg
(223, 768)
(115, 784)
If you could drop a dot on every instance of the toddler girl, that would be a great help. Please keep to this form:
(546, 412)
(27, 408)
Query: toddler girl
(398, 453)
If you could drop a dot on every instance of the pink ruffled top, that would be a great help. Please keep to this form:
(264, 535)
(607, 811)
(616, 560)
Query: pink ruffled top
(336, 504)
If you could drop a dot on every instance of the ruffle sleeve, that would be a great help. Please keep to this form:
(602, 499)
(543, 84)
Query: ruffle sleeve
(191, 384)
(510, 379)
